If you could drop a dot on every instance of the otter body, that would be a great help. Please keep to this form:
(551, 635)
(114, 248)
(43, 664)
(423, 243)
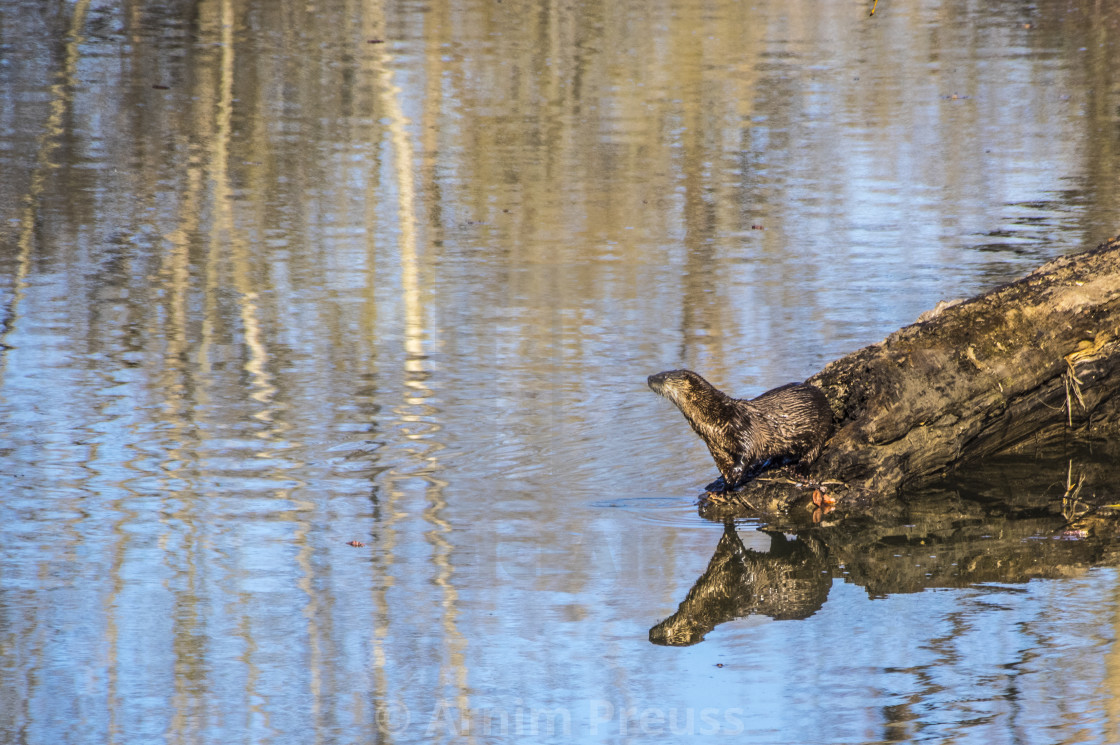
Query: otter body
(790, 423)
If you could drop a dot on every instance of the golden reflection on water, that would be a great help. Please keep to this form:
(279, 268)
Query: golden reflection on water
(61, 101)
(280, 276)
(418, 418)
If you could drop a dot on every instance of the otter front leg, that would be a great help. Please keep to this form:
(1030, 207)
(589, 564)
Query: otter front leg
(731, 470)
(734, 477)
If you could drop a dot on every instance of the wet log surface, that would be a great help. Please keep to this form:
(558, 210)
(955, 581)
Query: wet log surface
(1027, 363)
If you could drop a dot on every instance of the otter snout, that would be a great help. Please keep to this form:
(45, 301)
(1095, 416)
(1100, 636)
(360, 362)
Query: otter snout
(656, 382)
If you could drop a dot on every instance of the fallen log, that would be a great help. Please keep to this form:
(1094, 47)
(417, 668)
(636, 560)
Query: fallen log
(1020, 365)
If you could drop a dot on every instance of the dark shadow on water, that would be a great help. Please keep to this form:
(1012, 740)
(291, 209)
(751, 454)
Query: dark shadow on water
(1009, 520)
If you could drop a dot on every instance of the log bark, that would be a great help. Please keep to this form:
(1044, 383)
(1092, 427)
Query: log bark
(1025, 363)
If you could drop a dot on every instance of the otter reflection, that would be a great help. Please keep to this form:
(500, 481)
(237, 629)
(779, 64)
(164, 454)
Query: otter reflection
(787, 582)
(940, 539)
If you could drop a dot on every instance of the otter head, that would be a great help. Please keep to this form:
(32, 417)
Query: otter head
(702, 404)
(705, 407)
(682, 387)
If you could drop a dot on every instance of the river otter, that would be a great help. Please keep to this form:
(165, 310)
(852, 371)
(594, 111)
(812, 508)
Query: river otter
(787, 424)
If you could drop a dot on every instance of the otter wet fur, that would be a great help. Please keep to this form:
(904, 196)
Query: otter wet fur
(790, 423)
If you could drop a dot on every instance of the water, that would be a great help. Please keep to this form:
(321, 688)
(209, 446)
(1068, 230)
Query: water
(279, 277)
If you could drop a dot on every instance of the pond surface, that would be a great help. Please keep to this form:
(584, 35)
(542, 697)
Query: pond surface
(277, 278)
